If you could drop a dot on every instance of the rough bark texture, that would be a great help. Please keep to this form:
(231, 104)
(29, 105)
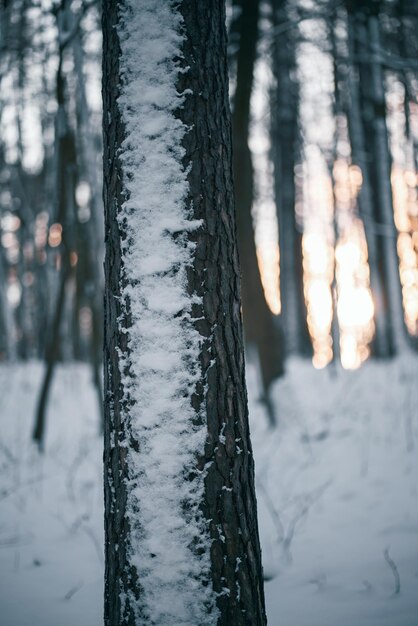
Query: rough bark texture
(259, 325)
(116, 527)
(229, 488)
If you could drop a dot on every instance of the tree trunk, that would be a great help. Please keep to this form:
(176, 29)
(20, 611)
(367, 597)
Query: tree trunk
(7, 346)
(285, 153)
(260, 329)
(381, 346)
(335, 155)
(378, 163)
(94, 227)
(181, 538)
(383, 165)
(51, 358)
(65, 185)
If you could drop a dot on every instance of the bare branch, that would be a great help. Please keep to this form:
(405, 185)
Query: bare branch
(395, 571)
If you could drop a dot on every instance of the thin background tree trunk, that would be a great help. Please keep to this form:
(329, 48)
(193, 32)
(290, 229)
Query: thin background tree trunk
(285, 153)
(366, 34)
(381, 347)
(260, 329)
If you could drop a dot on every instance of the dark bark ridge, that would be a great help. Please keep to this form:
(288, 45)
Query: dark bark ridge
(230, 495)
(115, 403)
(229, 500)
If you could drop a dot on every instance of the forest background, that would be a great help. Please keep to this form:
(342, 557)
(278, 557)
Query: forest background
(325, 133)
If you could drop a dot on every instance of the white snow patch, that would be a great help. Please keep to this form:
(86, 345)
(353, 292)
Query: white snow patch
(163, 506)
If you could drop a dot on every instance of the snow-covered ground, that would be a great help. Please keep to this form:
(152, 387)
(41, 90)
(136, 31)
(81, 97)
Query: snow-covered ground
(51, 506)
(337, 488)
(337, 491)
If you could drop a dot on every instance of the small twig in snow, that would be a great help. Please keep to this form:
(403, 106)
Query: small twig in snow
(395, 571)
(409, 431)
(11, 457)
(75, 465)
(320, 581)
(273, 512)
(73, 590)
(368, 587)
(90, 533)
(314, 497)
(5, 493)
(365, 448)
(16, 540)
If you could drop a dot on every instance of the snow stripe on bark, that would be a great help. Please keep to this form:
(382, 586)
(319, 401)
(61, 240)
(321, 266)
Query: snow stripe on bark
(169, 537)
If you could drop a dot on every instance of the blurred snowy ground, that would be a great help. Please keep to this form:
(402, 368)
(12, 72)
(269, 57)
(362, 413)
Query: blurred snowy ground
(51, 517)
(337, 488)
(337, 492)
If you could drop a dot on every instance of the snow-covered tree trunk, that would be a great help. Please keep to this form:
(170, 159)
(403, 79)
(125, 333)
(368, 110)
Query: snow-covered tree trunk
(180, 511)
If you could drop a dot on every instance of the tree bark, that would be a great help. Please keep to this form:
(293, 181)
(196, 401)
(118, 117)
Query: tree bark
(228, 502)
